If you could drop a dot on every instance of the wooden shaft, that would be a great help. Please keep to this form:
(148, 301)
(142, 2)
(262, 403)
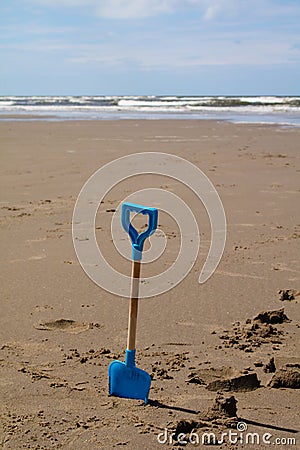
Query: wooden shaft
(133, 306)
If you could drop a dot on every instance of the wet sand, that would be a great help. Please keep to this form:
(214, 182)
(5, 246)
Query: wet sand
(59, 331)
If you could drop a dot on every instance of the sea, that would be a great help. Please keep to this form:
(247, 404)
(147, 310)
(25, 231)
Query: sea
(278, 110)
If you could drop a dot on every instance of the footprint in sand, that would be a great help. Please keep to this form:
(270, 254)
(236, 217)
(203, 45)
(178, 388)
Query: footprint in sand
(66, 325)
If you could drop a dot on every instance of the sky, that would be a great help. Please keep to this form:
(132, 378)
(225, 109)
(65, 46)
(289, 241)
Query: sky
(150, 47)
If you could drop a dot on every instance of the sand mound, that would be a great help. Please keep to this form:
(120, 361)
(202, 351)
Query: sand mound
(223, 407)
(288, 294)
(287, 377)
(224, 379)
(270, 366)
(222, 414)
(271, 317)
(255, 332)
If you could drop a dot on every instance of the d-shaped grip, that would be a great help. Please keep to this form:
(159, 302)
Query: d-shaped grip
(136, 238)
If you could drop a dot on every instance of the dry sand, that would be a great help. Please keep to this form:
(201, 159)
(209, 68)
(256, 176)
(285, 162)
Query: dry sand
(59, 331)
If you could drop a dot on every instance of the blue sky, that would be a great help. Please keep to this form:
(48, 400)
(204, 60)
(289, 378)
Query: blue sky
(163, 47)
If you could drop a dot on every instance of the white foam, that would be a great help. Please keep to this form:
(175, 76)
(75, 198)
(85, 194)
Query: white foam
(259, 108)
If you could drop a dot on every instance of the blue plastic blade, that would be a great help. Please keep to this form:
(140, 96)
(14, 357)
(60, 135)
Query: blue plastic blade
(128, 381)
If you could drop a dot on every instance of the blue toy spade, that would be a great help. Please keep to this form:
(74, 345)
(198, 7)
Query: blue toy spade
(125, 379)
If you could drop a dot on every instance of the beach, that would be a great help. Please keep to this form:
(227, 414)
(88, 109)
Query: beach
(59, 331)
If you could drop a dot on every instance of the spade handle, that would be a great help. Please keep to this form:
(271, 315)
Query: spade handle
(133, 306)
(138, 239)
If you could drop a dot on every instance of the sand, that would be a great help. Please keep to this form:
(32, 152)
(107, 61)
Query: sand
(59, 331)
